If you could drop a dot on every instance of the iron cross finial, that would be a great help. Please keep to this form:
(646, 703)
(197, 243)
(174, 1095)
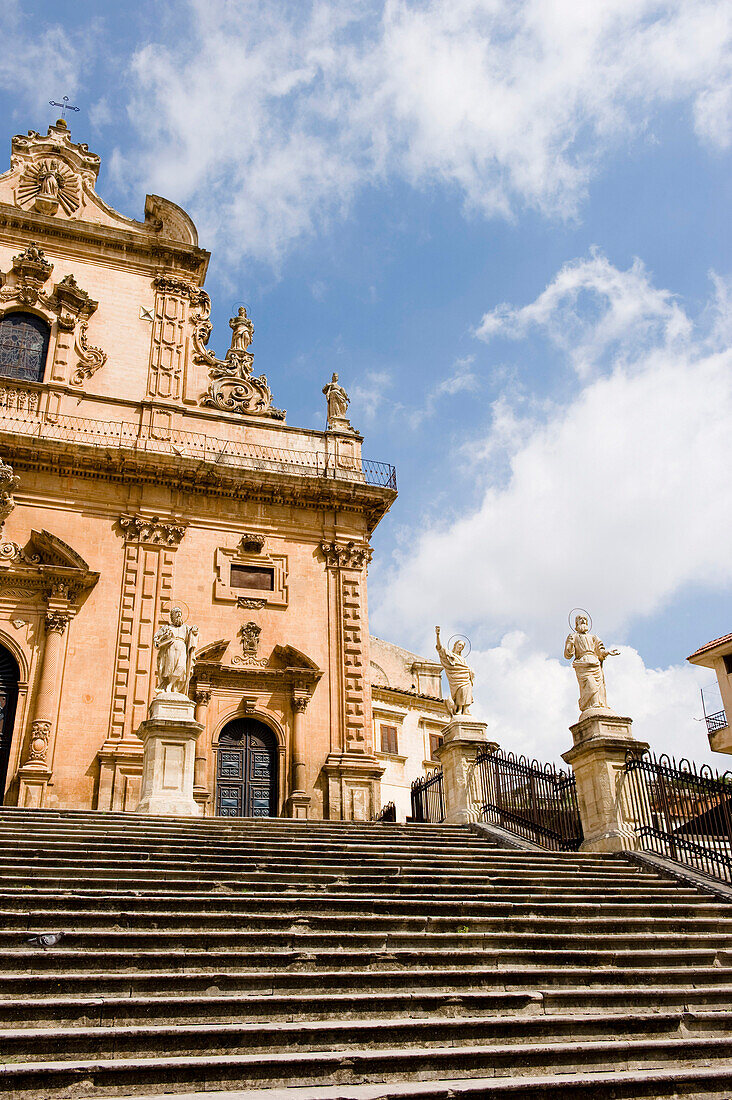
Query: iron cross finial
(65, 106)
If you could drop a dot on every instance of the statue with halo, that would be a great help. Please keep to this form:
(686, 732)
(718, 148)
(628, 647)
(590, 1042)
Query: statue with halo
(176, 646)
(460, 676)
(587, 653)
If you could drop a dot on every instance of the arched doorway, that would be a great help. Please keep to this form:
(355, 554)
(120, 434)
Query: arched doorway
(9, 676)
(246, 770)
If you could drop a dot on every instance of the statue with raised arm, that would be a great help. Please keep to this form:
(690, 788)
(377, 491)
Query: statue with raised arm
(338, 401)
(176, 646)
(459, 675)
(587, 653)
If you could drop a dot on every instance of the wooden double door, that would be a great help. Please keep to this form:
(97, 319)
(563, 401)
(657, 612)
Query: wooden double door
(246, 770)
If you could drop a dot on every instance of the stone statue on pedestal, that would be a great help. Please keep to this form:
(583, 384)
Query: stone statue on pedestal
(176, 646)
(459, 676)
(338, 402)
(242, 330)
(587, 653)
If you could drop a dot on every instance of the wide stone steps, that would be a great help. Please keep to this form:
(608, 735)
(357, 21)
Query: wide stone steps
(241, 1071)
(377, 1033)
(203, 955)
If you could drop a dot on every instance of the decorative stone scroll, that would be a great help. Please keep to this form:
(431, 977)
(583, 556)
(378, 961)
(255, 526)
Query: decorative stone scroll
(232, 386)
(90, 358)
(8, 484)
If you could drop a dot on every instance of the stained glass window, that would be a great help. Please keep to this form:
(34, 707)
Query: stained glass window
(23, 346)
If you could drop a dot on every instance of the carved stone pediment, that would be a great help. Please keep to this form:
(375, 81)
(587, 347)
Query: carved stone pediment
(45, 563)
(289, 657)
(51, 172)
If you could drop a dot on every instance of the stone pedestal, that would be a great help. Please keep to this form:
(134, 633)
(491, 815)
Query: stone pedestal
(601, 740)
(299, 803)
(169, 737)
(462, 739)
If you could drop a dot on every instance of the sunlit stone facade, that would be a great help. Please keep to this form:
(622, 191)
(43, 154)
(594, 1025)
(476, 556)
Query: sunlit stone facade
(148, 472)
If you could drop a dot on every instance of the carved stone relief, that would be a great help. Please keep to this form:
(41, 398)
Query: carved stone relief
(46, 185)
(232, 385)
(152, 529)
(346, 555)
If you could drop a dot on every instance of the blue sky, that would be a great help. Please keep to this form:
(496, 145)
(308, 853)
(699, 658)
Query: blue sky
(506, 226)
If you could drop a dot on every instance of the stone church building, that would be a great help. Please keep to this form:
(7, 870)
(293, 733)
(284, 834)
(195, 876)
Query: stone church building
(143, 472)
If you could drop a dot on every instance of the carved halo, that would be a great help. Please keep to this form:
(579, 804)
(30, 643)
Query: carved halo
(578, 611)
(462, 638)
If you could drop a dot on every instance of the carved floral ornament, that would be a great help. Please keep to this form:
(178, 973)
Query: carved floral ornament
(346, 555)
(152, 529)
(57, 621)
(68, 305)
(38, 746)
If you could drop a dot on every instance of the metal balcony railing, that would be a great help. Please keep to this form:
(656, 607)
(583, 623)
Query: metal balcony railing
(716, 721)
(135, 439)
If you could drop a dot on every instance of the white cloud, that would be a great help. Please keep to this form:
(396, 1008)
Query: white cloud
(605, 502)
(30, 51)
(267, 118)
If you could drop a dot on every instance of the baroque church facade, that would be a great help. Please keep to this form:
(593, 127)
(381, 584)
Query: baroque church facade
(142, 472)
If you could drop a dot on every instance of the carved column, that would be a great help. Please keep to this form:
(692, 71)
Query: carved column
(201, 793)
(36, 770)
(299, 705)
(352, 769)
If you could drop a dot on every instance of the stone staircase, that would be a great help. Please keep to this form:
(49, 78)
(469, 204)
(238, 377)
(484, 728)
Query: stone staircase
(349, 961)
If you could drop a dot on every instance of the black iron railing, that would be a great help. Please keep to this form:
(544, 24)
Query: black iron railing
(387, 813)
(428, 799)
(681, 811)
(136, 440)
(536, 801)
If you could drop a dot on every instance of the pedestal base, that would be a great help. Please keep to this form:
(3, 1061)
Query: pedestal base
(601, 741)
(169, 738)
(299, 802)
(462, 739)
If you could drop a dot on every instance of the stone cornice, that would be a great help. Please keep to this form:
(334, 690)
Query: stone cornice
(188, 474)
(147, 249)
(248, 677)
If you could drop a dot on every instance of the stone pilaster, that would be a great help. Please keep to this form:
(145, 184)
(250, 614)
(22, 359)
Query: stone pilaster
(352, 769)
(36, 770)
(201, 793)
(601, 741)
(462, 739)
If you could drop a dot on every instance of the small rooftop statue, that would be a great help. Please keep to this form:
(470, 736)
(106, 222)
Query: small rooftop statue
(460, 676)
(587, 653)
(242, 330)
(338, 402)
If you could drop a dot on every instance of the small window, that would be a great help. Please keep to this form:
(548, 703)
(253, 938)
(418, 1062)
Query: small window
(252, 576)
(389, 740)
(23, 346)
(435, 742)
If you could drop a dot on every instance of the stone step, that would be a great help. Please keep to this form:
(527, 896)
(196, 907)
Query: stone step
(437, 949)
(303, 904)
(63, 1010)
(86, 981)
(303, 938)
(113, 1041)
(100, 1077)
(113, 917)
(692, 1083)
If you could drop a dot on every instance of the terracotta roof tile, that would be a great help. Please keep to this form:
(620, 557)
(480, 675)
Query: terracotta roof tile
(710, 645)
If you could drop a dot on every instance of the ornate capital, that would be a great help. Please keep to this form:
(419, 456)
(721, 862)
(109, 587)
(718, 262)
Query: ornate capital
(40, 734)
(300, 703)
(57, 621)
(169, 284)
(152, 529)
(202, 695)
(251, 543)
(346, 555)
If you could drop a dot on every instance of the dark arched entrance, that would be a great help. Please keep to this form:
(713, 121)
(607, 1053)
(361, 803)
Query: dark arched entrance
(246, 770)
(9, 676)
